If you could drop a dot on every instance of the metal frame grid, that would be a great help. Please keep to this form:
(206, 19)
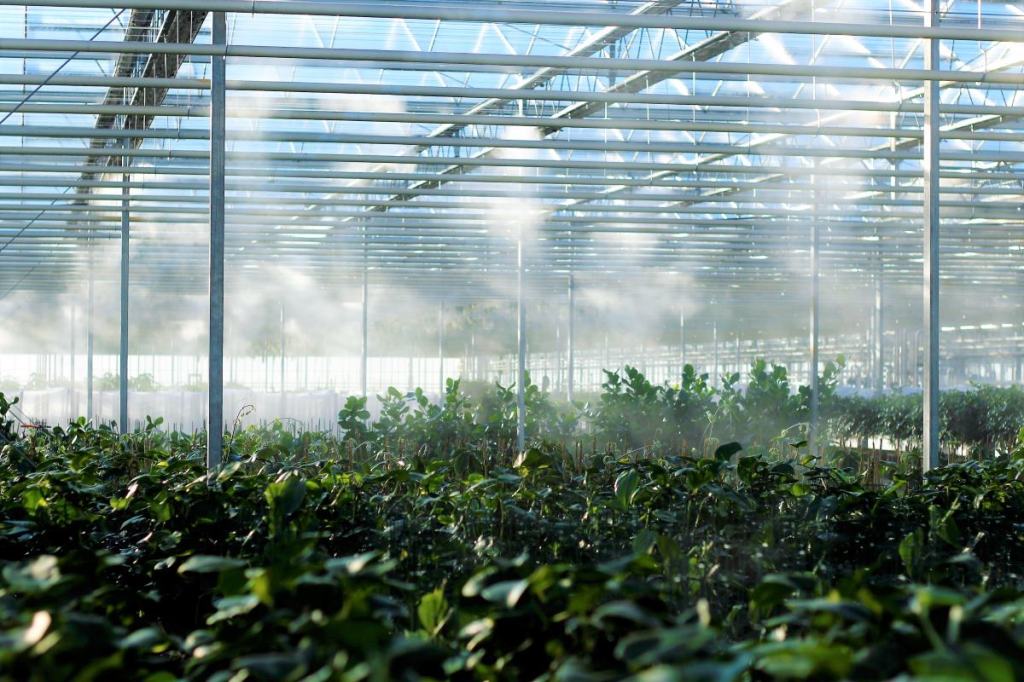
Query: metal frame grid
(456, 147)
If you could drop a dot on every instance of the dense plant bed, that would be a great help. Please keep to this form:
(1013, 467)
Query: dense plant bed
(306, 558)
(766, 413)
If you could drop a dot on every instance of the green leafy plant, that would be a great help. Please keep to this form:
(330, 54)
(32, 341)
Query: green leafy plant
(416, 547)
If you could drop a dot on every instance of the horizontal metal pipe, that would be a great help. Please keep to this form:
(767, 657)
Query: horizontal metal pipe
(792, 188)
(472, 241)
(257, 171)
(476, 142)
(498, 14)
(546, 274)
(511, 94)
(506, 61)
(965, 233)
(739, 229)
(494, 272)
(775, 278)
(556, 243)
(1012, 211)
(730, 277)
(185, 279)
(976, 208)
(795, 194)
(697, 254)
(678, 125)
(792, 194)
(466, 120)
(484, 210)
(418, 223)
(309, 158)
(894, 233)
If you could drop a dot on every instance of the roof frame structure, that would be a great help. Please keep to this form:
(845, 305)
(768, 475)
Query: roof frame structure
(696, 156)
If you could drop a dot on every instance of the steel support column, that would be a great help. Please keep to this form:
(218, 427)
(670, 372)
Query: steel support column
(555, 381)
(90, 298)
(364, 326)
(215, 422)
(571, 343)
(122, 378)
(283, 350)
(930, 167)
(716, 374)
(440, 352)
(879, 349)
(682, 341)
(73, 394)
(473, 359)
(521, 349)
(812, 431)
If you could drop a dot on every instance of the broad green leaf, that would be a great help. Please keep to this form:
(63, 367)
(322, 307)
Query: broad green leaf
(507, 592)
(32, 499)
(626, 486)
(35, 631)
(367, 562)
(285, 497)
(910, 551)
(202, 563)
(142, 639)
(727, 450)
(534, 458)
(943, 525)
(228, 471)
(162, 676)
(433, 611)
(804, 659)
(229, 607)
(34, 576)
(273, 666)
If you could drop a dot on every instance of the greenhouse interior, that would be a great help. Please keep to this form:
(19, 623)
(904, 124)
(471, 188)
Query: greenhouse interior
(512, 340)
